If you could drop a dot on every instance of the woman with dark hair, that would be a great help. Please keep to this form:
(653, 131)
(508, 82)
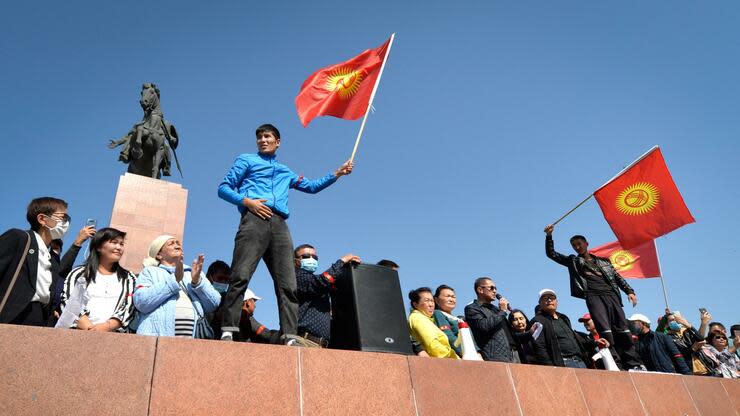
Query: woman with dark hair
(101, 288)
(715, 359)
(444, 303)
(521, 331)
(423, 328)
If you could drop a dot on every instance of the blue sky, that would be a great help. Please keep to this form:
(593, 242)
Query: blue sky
(493, 118)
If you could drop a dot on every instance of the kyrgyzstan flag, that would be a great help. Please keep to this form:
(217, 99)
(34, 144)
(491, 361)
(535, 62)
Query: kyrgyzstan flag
(642, 203)
(640, 262)
(342, 90)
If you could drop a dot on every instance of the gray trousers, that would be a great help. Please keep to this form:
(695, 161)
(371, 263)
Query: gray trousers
(268, 240)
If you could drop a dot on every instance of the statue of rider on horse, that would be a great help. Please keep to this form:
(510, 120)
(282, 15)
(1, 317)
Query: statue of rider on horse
(146, 147)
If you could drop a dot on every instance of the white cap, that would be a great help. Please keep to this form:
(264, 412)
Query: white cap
(544, 292)
(640, 317)
(248, 294)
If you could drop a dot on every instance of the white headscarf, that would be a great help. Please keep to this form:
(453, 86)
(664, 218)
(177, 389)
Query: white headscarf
(154, 248)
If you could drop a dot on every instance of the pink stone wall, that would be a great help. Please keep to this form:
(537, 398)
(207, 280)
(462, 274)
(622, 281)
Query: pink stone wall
(65, 372)
(145, 208)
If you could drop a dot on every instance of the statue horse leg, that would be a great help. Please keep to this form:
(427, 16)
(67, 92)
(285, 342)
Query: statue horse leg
(136, 144)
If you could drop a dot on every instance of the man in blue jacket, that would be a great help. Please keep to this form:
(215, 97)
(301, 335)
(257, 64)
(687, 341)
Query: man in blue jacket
(258, 185)
(657, 350)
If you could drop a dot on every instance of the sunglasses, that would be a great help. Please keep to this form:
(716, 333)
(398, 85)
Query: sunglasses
(488, 287)
(308, 256)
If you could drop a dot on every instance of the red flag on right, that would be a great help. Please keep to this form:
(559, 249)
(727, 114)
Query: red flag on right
(643, 203)
(638, 263)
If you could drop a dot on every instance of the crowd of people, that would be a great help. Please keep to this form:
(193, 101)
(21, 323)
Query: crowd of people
(507, 335)
(39, 286)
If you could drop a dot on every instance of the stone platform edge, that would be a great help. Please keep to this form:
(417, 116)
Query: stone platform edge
(64, 372)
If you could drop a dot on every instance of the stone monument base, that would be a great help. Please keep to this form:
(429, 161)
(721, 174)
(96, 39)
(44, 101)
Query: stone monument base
(146, 208)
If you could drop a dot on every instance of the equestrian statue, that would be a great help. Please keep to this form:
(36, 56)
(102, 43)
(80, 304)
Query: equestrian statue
(146, 148)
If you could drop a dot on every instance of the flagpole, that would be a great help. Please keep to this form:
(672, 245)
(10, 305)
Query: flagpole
(573, 209)
(372, 96)
(662, 282)
(607, 182)
(628, 166)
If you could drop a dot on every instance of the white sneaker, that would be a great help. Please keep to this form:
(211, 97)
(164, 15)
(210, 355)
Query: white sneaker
(227, 336)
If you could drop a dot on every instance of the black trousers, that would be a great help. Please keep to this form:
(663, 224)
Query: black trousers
(32, 315)
(610, 323)
(270, 241)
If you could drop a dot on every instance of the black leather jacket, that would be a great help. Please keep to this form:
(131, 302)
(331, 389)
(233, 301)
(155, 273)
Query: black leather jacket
(577, 282)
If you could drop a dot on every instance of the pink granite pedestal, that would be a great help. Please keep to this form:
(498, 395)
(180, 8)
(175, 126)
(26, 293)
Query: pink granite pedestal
(146, 208)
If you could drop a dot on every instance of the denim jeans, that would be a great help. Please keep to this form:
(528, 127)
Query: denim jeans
(268, 240)
(574, 363)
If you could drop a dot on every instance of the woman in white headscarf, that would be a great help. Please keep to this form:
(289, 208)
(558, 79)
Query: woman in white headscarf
(170, 296)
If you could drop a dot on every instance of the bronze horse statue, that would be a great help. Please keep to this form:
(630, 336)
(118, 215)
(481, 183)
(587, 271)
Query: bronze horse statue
(146, 147)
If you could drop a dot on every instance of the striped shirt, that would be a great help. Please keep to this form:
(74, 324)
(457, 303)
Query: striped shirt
(124, 301)
(184, 315)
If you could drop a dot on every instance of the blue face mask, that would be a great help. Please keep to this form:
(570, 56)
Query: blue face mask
(674, 326)
(221, 288)
(310, 265)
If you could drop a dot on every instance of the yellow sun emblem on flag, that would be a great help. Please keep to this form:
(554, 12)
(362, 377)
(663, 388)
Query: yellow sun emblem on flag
(345, 81)
(622, 260)
(638, 198)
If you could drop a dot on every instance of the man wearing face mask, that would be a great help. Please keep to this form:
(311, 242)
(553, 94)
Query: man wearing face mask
(218, 274)
(657, 350)
(314, 303)
(685, 337)
(32, 297)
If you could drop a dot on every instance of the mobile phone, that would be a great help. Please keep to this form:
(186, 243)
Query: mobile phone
(702, 310)
(91, 222)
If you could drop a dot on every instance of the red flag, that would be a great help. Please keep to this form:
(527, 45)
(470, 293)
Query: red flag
(643, 203)
(342, 90)
(640, 262)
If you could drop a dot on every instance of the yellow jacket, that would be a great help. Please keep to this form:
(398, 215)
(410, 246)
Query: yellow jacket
(432, 338)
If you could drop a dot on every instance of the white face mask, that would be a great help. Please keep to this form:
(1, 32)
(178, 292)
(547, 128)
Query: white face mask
(59, 230)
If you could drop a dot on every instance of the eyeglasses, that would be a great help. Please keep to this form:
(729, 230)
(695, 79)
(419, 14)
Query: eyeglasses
(308, 256)
(488, 287)
(720, 337)
(60, 216)
(547, 298)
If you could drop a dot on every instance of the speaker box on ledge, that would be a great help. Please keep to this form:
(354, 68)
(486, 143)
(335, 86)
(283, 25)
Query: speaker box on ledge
(367, 311)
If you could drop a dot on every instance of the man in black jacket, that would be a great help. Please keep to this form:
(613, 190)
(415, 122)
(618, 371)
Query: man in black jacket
(250, 330)
(557, 344)
(488, 323)
(33, 296)
(594, 279)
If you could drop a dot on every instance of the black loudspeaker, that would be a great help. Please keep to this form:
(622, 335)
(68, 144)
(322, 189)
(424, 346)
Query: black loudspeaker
(368, 313)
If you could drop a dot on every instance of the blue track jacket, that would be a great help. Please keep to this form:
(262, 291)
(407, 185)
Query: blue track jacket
(256, 176)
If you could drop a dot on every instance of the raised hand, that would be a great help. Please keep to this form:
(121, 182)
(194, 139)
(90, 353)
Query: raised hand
(345, 169)
(549, 229)
(196, 268)
(179, 269)
(85, 233)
